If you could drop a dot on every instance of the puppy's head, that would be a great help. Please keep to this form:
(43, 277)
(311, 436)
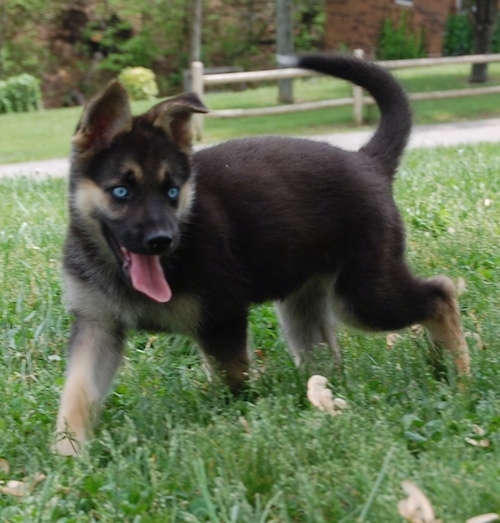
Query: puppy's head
(131, 183)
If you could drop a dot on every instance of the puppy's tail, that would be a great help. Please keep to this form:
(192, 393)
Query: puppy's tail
(390, 139)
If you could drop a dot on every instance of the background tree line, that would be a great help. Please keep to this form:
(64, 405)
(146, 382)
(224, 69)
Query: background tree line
(75, 46)
(83, 42)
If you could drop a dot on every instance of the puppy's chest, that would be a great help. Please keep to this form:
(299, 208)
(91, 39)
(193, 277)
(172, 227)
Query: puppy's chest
(181, 315)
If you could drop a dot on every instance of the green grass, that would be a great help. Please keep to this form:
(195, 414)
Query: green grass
(171, 448)
(47, 134)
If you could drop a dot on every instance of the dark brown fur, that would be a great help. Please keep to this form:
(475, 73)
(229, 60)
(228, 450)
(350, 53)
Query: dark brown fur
(310, 226)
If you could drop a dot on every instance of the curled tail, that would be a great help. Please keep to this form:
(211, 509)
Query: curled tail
(389, 140)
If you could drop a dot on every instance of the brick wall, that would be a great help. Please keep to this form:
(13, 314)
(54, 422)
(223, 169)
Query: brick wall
(357, 23)
(431, 15)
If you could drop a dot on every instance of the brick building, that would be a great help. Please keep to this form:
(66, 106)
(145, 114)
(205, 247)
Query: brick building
(356, 24)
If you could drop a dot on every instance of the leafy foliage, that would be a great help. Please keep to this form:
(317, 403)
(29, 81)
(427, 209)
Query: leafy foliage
(21, 49)
(20, 94)
(399, 41)
(495, 42)
(458, 38)
(310, 19)
(88, 40)
(140, 83)
(120, 46)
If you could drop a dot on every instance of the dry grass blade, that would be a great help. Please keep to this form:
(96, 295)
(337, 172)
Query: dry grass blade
(391, 339)
(478, 441)
(484, 518)
(21, 488)
(477, 338)
(4, 466)
(244, 423)
(461, 286)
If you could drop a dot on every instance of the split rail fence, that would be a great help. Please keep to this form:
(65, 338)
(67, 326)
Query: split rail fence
(357, 100)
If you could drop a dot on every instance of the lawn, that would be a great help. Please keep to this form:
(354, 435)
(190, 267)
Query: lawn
(47, 134)
(170, 447)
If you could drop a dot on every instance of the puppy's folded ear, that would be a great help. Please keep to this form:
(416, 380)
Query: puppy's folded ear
(174, 117)
(105, 116)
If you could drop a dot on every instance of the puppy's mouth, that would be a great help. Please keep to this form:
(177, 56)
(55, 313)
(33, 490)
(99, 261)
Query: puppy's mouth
(143, 270)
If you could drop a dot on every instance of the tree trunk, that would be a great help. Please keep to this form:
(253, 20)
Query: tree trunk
(483, 15)
(284, 33)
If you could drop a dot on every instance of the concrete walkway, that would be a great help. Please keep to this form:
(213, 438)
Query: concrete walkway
(422, 136)
(429, 135)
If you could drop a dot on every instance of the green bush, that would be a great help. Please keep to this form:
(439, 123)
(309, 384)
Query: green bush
(458, 36)
(310, 26)
(399, 42)
(495, 43)
(139, 82)
(20, 94)
(138, 51)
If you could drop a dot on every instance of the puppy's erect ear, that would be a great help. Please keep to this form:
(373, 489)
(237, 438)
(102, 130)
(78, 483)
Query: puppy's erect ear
(174, 117)
(104, 117)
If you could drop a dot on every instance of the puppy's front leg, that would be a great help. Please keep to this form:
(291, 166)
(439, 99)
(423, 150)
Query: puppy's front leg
(95, 352)
(225, 349)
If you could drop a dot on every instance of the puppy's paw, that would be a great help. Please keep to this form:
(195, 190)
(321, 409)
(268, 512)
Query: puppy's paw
(67, 447)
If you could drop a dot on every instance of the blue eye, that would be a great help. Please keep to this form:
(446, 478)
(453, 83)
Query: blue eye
(173, 193)
(120, 192)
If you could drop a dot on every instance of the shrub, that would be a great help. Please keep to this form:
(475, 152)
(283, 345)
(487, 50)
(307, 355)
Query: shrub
(495, 43)
(310, 26)
(457, 38)
(116, 41)
(399, 42)
(20, 94)
(139, 82)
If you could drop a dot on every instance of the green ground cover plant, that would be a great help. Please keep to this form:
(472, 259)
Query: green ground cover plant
(172, 447)
(46, 134)
(20, 94)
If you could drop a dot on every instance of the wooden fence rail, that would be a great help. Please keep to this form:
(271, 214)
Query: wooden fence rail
(357, 100)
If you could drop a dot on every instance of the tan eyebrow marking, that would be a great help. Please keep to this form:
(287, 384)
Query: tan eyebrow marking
(129, 166)
(163, 173)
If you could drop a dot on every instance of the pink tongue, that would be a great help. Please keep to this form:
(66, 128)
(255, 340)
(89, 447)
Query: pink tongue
(147, 277)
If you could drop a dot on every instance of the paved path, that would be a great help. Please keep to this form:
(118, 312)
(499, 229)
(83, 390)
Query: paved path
(422, 136)
(429, 135)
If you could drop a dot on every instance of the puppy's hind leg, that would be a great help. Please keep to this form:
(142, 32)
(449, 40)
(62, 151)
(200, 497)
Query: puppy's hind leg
(307, 319)
(95, 352)
(393, 299)
(444, 325)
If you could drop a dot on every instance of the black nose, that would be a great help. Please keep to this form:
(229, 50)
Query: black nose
(157, 242)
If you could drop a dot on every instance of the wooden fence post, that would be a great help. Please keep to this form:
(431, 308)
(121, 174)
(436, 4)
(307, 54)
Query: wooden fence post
(197, 86)
(357, 95)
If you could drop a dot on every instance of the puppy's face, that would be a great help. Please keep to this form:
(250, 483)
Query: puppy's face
(131, 183)
(136, 192)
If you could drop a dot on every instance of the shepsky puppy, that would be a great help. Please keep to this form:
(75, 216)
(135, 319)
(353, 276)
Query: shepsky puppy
(163, 239)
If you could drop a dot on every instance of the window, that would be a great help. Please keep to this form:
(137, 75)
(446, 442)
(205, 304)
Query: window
(406, 3)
